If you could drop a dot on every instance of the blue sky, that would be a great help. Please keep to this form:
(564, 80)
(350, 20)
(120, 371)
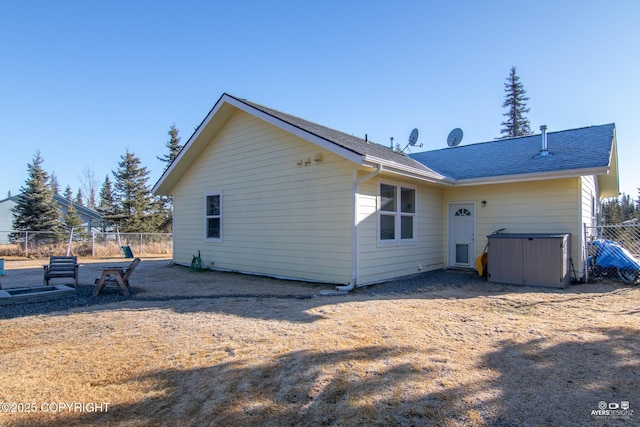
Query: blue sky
(82, 81)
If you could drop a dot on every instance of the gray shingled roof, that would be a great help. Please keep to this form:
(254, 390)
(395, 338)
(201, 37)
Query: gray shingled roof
(583, 148)
(349, 142)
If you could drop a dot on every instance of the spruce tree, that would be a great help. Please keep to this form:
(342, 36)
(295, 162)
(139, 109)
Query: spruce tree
(79, 198)
(92, 198)
(72, 219)
(515, 102)
(163, 205)
(36, 209)
(106, 206)
(173, 145)
(68, 193)
(132, 195)
(53, 181)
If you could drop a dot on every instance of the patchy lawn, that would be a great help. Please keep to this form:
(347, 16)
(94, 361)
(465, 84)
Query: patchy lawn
(247, 351)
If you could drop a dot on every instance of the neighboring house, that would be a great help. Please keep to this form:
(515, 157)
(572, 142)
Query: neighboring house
(259, 191)
(89, 217)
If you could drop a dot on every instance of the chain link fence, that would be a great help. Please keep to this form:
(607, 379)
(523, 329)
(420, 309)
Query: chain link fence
(42, 244)
(613, 251)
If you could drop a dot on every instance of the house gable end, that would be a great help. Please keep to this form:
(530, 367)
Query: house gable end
(347, 146)
(215, 121)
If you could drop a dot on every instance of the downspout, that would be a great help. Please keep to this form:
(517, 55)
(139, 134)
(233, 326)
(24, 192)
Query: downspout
(355, 234)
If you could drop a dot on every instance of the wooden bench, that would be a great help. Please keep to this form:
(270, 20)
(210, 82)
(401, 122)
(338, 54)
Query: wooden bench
(115, 276)
(61, 266)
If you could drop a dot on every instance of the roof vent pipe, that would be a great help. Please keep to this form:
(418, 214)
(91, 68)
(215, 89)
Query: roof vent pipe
(545, 147)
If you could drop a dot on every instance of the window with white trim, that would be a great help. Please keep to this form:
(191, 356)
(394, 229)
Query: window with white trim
(396, 214)
(213, 215)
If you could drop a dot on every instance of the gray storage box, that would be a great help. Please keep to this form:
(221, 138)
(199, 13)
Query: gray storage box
(530, 259)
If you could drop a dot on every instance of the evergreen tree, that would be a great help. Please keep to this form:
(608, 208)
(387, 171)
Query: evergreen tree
(35, 209)
(55, 186)
(173, 145)
(68, 193)
(515, 102)
(619, 209)
(612, 212)
(132, 195)
(9, 194)
(163, 206)
(106, 206)
(161, 218)
(79, 199)
(72, 219)
(92, 198)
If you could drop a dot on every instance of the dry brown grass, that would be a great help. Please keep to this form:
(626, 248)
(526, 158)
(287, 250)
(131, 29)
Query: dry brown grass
(83, 249)
(469, 356)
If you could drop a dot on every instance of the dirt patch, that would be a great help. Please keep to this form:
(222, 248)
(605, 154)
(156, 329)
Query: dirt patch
(215, 348)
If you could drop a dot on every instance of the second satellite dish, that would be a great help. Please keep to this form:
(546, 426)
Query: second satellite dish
(455, 137)
(413, 138)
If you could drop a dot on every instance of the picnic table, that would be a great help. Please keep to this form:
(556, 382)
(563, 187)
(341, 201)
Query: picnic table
(115, 275)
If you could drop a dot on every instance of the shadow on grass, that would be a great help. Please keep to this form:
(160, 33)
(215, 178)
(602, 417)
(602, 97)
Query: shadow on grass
(531, 384)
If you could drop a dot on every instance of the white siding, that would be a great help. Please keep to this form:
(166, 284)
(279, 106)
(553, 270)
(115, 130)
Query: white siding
(278, 218)
(379, 263)
(552, 206)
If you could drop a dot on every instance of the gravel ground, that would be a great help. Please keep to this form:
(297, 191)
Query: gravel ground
(422, 282)
(428, 281)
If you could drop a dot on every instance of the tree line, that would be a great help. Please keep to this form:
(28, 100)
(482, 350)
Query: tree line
(620, 209)
(123, 201)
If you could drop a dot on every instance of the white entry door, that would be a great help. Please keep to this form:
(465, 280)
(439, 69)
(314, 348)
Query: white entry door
(461, 235)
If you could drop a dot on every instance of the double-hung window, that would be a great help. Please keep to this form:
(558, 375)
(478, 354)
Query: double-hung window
(397, 214)
(213, 215)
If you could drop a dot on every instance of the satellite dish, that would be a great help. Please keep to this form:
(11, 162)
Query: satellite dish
(455, 137)
(413, 138)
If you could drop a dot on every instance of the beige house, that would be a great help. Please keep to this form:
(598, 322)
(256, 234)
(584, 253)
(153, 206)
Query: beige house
(263, 192)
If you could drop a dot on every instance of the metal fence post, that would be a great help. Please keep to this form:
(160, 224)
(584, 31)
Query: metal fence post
(26, 244)
(586, 255)
(140, 244)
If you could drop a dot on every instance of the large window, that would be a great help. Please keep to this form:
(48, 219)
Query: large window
(397, 214)
(213, 216)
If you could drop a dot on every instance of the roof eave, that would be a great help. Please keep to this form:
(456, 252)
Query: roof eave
(536, 176)
(609, 184)
(408, 171)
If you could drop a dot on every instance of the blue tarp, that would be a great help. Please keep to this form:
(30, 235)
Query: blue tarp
(611, 254)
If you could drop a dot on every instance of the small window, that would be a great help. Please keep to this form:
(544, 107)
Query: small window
(397, 214)
(388, 198)
(463, 212)
(213, 216)
(462, 253)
